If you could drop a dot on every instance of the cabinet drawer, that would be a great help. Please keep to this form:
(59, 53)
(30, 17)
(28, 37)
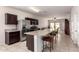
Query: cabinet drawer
(12, 37)
(14, 33)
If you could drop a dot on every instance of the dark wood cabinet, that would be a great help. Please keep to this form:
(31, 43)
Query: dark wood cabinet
(10, 19)
(36, 22)
(33, 21)
(30, 42)
(12, 37)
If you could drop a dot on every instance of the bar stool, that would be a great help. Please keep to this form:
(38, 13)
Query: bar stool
(48, 39)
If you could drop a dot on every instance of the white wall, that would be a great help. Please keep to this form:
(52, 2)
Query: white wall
(43, 22)
(21, 16)
(74, 24)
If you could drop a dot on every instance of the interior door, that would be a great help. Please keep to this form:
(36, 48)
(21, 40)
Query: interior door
(67, 29)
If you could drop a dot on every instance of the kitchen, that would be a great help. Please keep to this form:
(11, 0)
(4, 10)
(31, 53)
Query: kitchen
(24, 23)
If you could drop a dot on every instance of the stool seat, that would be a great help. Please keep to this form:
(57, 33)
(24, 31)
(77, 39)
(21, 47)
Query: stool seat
(48, 39)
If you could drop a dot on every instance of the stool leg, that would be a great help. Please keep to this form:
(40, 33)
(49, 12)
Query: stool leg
(55, 39)
(50, 46)
(43, 46)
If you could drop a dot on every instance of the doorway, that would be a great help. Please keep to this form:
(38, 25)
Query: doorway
(55, 25)
(67, 29)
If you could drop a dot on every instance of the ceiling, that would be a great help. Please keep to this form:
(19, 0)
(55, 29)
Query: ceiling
(46, 11)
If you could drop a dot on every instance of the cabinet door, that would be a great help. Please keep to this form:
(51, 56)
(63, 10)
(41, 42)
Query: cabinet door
(14, 37)
(30, 42)
(67, 29)
(14, 19)
(31, 22)
(10, 19)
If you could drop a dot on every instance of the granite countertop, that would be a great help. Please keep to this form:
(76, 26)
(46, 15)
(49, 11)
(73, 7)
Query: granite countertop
(11, 30)
(39, 32)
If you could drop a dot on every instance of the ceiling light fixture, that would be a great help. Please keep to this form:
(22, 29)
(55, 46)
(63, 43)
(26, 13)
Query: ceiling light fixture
(34, 9)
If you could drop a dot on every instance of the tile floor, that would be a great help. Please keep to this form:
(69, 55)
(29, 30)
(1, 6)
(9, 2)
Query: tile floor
(63, 44)
(17, 47)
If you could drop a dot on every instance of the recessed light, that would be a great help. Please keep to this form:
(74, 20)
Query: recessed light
(34, 9)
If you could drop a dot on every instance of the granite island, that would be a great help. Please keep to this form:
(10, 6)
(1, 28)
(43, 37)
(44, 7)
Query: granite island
(34, 39)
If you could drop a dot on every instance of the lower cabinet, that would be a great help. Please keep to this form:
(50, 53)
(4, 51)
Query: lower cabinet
(12, 37)
(30, 42)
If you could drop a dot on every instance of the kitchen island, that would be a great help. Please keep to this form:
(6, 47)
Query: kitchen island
(34, 39)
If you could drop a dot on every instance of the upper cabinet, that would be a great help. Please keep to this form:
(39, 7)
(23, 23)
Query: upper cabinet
(32, 21)
(11, 19)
